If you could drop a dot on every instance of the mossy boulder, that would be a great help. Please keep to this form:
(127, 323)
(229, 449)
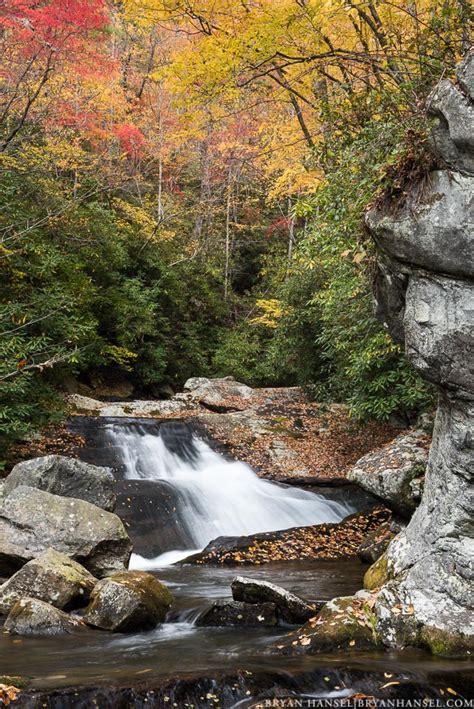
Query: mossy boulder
(128, 601)
(29, 616)
(445, 644)
(377, 574)
(343, 623)
(52, 577)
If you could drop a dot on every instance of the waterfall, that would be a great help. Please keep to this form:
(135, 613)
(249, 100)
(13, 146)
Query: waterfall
(215, 496)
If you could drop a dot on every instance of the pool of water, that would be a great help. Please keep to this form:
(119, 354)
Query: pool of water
(177, 648)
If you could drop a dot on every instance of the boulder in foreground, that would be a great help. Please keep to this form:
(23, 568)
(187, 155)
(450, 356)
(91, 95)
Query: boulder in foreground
(66, 477)
(231, 613)
(290, 608)
(51, 577)
(30, 616)
(132, 600)
(344, 623)
(32, 521)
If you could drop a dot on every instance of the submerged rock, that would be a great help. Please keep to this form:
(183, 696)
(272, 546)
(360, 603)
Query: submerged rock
(290, 608)
(232, 613)
(32, 521)
(342, 624)
(66, 477)
(51, 577)
(393, 472)
(30, 616)
(127, 601)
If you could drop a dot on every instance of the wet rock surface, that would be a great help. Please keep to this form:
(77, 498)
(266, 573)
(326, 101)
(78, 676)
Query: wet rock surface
(343, 623)
(31, 521)
(128, 601)
(323, 541)
(30, 616)
(232, 613)
(428, 570)
(289, 608)
(51, 577)
(395, 473)
(66, 477)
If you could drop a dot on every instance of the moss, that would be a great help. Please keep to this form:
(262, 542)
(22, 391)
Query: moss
(377, 574)
(446, 644)
(19, 682)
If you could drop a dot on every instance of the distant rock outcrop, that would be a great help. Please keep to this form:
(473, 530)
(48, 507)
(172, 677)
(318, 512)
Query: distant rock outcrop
(425, 296)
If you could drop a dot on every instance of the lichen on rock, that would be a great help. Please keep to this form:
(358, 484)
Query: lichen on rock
(428, 242)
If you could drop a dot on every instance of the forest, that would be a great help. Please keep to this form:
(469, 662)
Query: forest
(183, 185)
(236, 354)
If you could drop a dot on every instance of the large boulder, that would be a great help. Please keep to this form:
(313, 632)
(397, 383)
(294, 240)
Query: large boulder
(290, 608)
(437, 212)
(30, 616)
(128, 601)
(52, 577)
(32, 521)
(394, 472)
(427, 572)
(66, 477)
(232, 613)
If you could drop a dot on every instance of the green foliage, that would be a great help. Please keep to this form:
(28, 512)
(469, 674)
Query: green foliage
(327, 337)
(83, 292)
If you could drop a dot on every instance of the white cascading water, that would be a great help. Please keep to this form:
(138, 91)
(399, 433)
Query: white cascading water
(219, 497)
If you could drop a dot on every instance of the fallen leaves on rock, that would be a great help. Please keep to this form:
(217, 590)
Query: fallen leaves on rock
(322, 541)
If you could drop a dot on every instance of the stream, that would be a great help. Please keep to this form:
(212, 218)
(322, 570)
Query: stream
(176, 493)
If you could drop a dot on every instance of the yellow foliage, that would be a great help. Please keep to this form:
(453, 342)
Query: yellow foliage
(271, 313)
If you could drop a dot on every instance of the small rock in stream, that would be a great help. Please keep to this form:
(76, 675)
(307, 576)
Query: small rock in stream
(232, 613)
(290, 608)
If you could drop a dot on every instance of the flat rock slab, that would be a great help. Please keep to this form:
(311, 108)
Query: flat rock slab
(339, 540)
(232, 613)
(51, 577)
(30, 616)
(128, 601)
(67, 477)
(32, 521)
(290, 608)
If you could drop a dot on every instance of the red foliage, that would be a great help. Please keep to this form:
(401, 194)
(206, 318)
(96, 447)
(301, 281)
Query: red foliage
(131, 139)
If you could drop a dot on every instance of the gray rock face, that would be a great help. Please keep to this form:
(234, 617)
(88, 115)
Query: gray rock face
(290, 608)
(51, 577)
(66, 477)
(132, 600)
(232, 613)
(428, 596)
(29, 616)
(32, 521)
(439, 322)
(390, 472)
(453, 133)
(437, 212)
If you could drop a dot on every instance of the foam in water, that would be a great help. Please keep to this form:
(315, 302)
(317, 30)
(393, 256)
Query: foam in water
(217, 497)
